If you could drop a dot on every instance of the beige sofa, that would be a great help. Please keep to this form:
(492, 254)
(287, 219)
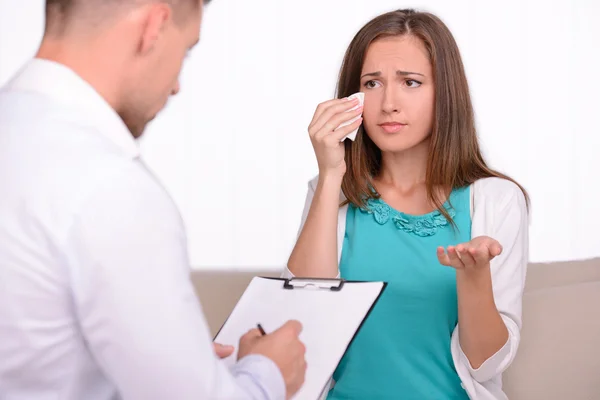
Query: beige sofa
(559, 357)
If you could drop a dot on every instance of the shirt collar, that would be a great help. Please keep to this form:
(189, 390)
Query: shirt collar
(63, 85)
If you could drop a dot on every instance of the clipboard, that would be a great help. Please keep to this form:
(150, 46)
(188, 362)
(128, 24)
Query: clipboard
(331, 311)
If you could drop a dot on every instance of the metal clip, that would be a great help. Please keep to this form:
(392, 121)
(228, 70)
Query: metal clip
(332, 284)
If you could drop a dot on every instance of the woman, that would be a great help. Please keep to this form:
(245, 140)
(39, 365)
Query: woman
(416, 198)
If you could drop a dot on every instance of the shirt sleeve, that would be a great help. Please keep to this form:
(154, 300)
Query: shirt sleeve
(136, 305)
(500, 212)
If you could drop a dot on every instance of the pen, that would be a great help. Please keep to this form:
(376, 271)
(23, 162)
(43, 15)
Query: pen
(260, 328)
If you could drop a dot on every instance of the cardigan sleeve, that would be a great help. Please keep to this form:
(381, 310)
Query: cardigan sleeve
(500, 212)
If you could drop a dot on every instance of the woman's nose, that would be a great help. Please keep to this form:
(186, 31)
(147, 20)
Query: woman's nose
(390, 101)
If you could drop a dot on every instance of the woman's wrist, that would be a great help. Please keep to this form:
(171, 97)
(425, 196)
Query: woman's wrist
(475, 284)
(330, 181)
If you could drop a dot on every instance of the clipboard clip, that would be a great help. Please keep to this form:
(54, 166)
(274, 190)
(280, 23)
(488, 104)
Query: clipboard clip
(335, 285)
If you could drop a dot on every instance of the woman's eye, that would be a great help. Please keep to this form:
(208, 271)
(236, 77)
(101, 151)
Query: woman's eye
(371, 84)
(412, 83)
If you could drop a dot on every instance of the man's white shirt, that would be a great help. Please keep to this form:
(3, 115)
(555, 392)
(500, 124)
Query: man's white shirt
(95, 297)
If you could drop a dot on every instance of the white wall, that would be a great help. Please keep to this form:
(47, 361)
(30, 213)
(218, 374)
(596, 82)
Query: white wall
(233, 150)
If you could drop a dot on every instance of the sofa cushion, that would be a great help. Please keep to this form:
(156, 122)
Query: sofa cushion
(559, 354)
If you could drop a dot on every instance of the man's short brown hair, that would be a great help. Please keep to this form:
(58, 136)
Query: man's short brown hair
(66, 5)
(59, 12)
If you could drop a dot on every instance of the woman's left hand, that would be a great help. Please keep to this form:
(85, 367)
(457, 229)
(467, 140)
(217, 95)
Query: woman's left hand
(473, 255)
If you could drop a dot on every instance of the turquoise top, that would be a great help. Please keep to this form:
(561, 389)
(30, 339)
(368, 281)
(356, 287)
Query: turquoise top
(402, 350)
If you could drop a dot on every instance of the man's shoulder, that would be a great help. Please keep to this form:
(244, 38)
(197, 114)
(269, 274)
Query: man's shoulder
(64, 164)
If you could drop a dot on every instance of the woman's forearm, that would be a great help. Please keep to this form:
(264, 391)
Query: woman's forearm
(315, 253)
(482, 331)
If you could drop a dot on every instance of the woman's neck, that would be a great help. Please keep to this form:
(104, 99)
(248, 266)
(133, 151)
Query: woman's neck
(405, 170)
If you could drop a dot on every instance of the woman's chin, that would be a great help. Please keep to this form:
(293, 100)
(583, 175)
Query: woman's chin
(396, 144)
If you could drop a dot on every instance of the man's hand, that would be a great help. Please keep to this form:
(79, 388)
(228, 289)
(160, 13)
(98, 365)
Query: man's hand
(223, 351)
(283, 347)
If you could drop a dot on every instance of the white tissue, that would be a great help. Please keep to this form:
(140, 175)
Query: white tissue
(361, 101)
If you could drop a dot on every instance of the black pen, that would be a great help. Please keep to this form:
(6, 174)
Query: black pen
(260, 328)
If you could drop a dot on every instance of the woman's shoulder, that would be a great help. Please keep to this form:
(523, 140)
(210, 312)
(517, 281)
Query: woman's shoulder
(497, 188)
(499, 193)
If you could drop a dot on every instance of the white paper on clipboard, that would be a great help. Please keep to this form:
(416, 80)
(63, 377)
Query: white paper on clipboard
(331, 312)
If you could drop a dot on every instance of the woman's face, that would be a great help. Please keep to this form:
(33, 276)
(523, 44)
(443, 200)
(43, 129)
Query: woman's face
(397, 80)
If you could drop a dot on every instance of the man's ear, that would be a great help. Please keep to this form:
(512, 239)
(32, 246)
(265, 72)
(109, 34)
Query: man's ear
(154, 19)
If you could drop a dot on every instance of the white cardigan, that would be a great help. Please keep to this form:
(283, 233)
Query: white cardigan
(498, 210)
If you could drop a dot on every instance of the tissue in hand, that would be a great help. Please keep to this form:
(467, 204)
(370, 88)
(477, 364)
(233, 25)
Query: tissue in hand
(361, 100)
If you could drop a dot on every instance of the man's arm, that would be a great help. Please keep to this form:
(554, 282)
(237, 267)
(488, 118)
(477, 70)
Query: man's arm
(137, 307)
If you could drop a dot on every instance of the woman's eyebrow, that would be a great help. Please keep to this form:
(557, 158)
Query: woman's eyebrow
(402, 73)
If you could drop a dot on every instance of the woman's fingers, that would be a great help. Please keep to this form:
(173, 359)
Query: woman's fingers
(324, 106)
(341, 133)
(338, 119)
(338, 108)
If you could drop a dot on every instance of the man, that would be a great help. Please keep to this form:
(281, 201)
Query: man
(95, 297)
